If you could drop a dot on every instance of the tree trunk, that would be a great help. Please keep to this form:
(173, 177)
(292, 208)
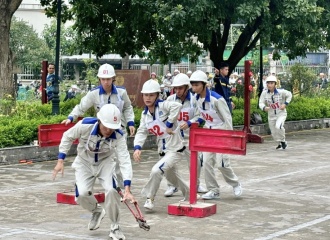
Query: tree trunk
(7, 9)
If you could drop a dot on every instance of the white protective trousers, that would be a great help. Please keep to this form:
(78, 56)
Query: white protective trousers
(222, 162)
(165, 167)
(86, 174)
(276, 125)
(186, 155)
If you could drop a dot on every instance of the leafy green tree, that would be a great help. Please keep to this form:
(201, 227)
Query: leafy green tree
(27, 46)
(90, 71)
(302, 81)
(68, 38)
(172, 29)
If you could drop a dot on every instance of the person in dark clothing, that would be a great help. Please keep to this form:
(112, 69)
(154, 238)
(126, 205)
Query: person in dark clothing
(222, 85)
(50, 81)
(71, 93)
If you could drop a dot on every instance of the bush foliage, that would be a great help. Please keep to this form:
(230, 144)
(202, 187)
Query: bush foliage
(19, 126)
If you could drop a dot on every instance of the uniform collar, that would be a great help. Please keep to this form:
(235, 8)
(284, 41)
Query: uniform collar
(207, 96)
(156, 105)
(187, 97)
(275, 91)
(113, 90)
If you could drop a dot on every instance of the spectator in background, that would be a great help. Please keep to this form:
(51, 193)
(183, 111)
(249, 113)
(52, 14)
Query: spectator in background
(167, 82)
(189, 73)
(232, 79)
(153, 76)
(176, 72)
(323, 81)
(35, 84)
(240, 79)
(162, 94)
(165, 76)
(222, 85)
(264, 84)
(71, 93)
(50, 81)
(210, 82)
(19, 84)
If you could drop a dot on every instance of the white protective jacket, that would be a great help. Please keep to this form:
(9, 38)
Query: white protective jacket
(189, 112)
(166, 115)
(94, 148)
(274, 101)
(214, 110)
(97, 97)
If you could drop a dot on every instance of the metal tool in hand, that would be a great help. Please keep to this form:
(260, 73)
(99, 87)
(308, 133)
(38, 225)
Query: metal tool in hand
(138, 214)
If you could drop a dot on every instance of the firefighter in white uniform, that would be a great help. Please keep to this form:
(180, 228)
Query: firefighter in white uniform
(98, 140)
(214, 110)
(160, 118)
(189, 114)
(274, 101)
(103, 94)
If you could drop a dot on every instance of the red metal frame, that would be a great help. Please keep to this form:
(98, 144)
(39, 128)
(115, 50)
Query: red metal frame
(250, 137)
(51, 134)
(43, 82)
(212, 140)
(207, 140)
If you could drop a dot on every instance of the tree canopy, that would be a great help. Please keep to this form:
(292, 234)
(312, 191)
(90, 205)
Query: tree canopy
(68, 38)
(27, 46)
(169, 29)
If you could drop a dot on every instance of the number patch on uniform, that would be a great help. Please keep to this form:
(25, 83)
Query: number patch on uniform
(207, 117)
(184, 116)
(155, 130)
(274, 105)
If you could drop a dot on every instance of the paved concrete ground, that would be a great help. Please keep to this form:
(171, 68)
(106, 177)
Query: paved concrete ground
(286, 196)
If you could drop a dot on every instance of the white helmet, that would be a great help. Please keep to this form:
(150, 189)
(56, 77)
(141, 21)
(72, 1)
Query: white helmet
(106, 71)
(150, 86)
(271, 79)
(110, 116)
(180, 80)
(176, 71)
(189, 72)
(198, 76)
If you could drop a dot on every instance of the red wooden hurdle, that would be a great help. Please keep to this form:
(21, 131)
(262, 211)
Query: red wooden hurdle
(207, 140)
(51, 134)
